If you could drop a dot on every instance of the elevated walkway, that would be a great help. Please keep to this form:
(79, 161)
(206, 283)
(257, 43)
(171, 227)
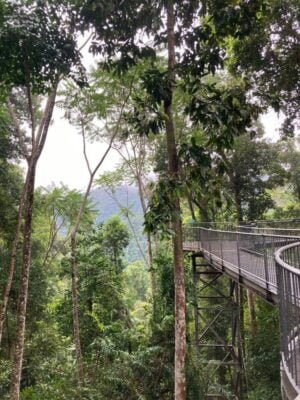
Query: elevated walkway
(269, 265)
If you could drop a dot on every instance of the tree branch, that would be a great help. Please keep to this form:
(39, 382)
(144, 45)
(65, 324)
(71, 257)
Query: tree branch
(84, 148)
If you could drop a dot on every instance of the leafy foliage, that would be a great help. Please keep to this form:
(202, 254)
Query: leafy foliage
(270, 58)
(37, 44)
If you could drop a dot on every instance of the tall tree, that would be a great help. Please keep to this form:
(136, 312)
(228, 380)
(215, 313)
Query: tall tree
(252, 167)
(290, 155)
(202, 33)
(37, 49)
(103, 102)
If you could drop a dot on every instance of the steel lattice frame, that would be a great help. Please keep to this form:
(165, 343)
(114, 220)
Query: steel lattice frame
(214, 305)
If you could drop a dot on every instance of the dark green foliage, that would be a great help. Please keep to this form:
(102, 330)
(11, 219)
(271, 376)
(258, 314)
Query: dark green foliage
(263, 355)
(10, 188)
(10, 177)
(157, 219)
(162, 323)
(224, 112)
(270, 57)
(290, 155)
(37, 45)
(256, 168)
(8, 147)
(115, 240)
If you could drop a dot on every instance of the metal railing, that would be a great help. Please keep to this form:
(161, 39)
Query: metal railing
(271, 262)
(268, 230)
(268, 227)
(288, 280)
(250, 255)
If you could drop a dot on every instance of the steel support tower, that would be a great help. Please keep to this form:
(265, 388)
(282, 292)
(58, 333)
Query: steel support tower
(217, 330)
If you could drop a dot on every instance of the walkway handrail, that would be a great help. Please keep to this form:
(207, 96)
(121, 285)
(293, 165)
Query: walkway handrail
(294, 236)
(231, 227)
(288, 281)
(268, 230)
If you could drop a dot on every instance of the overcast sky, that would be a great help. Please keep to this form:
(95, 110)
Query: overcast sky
(62, 160)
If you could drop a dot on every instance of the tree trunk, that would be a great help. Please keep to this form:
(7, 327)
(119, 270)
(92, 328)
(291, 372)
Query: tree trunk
(252, 313)
(38, 143)
(238, 203)
(23, 292)
(75, 313)
(150, 261)
(12, 261)
(74, 275)
(74, 279)
(234, 180)
(202, 205)
(191, 206)
(180, 312)
(241, 340)
(149, 243)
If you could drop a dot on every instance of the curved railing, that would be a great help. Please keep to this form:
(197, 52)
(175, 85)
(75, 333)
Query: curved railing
(288, 281)
(269, 230)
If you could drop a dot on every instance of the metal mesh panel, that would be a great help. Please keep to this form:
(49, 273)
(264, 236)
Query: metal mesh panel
(288, 276)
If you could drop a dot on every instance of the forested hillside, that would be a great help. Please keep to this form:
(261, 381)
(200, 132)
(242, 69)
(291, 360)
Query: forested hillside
(156, 281)
(127, 196)
(124, 202)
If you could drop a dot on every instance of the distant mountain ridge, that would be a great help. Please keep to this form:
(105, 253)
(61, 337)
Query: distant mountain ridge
(128, 198)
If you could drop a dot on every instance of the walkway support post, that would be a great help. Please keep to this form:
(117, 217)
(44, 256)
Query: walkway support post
(238, 256)
(218, 344)
(267, 275)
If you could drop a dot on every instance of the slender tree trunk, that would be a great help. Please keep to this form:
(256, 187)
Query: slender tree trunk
(38, 142)
(252, 313)
(202, 205)
(149, 243)
(238, 204)
(150, 262)
(241, 340)
(74, 279)
(234, 180)
(74, 273)
(23, 292)
(180, 310)
(191, 206)
(75, 312)
(13, 254)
